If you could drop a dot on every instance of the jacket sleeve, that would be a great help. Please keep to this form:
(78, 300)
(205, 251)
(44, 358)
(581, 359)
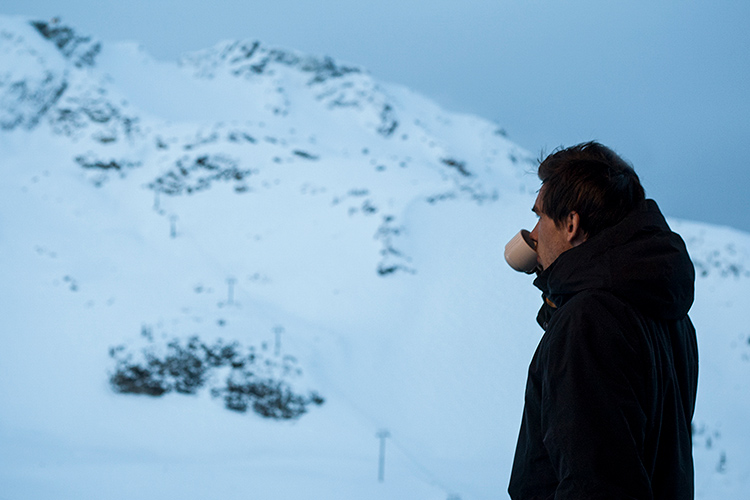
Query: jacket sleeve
(594, 373)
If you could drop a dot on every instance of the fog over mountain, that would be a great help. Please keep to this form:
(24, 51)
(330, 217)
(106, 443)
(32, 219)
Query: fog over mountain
(242, 273)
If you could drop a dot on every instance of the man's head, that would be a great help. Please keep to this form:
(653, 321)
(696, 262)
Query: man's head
(585, 189)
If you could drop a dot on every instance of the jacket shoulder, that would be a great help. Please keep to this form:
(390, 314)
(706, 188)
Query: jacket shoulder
(596, 323)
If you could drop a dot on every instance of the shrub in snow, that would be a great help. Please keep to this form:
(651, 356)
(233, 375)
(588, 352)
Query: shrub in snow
(179, 368)
(253, 380)
(267, 397)
(137, 379)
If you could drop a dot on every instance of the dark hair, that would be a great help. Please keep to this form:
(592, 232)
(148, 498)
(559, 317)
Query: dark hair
(591, 180)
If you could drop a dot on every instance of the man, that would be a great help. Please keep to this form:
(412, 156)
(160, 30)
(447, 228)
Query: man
(611, 388)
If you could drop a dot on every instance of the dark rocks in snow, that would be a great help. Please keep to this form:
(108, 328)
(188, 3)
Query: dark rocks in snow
(388, 122)
(192, 174)
(450, 195)
(237, 136)
(68, 97)
(392, 260)
(102, 166)
(458, 165)
(337, 85)
(711, 439)
(326, 69)
(91, 108)
(72, 283)
(201, 141)
(249, 59)
(724, 262)
(368, 208)
(258, 62)
(24, 102)
(90, 161)
(79, 49)
(305, 155)
(254, 381)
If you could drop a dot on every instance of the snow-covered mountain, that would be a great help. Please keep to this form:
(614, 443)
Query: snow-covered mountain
(306, 256)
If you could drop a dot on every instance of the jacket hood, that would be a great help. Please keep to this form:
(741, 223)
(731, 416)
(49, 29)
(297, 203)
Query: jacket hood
(639, 260)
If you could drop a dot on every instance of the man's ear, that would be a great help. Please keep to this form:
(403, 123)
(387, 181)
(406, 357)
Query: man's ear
(573, 232)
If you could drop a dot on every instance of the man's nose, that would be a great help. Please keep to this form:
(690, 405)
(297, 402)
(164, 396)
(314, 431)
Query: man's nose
(533, 234)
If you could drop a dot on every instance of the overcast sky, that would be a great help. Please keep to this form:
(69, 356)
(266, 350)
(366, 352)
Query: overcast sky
(664, 83)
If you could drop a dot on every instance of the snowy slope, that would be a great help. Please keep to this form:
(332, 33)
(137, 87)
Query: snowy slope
(297, 206)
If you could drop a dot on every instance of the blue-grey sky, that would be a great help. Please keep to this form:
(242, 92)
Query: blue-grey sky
(663, 82)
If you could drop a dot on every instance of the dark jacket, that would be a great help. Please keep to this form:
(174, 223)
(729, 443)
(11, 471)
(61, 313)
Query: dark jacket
(611, 388)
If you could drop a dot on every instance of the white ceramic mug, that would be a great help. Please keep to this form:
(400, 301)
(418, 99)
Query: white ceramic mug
(520, 253)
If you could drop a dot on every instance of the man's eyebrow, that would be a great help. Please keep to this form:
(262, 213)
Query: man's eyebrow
(533, 209)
